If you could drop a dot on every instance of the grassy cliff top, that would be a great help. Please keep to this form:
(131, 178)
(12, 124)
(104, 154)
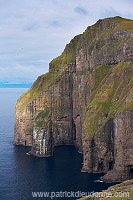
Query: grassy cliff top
(39, 85)
(120, 21)
(101, 28)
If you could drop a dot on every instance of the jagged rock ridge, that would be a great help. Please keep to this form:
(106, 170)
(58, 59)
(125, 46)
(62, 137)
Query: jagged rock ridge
(86, 100)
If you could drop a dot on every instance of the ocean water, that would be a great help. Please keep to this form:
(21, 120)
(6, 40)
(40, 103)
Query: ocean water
(22, 175)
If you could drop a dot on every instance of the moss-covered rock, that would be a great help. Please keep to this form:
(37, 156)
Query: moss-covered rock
(111, 93)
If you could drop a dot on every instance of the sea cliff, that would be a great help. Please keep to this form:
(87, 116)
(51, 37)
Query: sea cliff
(86, 100)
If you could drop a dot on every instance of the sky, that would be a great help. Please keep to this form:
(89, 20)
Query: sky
(33, 32)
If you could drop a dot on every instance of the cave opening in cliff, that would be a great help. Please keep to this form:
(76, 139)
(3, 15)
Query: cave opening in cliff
(25, 143)
(111, 163)
(74, 130)
(100, 166)
(131, 173)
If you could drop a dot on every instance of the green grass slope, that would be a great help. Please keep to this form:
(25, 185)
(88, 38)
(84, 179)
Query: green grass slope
(112, 92)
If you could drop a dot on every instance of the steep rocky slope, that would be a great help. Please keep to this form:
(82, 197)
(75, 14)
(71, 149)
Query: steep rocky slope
(86, 100)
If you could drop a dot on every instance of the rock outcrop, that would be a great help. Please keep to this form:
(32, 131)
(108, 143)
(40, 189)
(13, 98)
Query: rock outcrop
(86, 100)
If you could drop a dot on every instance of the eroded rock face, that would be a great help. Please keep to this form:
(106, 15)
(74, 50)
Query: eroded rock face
(85, 100)
(24, 126)
(99, 150)
(123, 147)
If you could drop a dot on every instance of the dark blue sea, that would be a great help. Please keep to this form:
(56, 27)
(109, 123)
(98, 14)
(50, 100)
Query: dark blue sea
(21, 176)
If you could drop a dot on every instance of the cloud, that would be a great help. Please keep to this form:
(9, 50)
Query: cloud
(32, 26)
(81, 11)
(55, 23)
(34, 32)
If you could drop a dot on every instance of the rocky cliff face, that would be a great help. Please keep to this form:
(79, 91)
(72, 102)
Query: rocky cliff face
(86, 100)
